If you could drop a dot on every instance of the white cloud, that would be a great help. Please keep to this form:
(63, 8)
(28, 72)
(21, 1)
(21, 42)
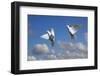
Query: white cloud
(67, 52)
(62, 45)
(74, 55)
(52, 56)
(52, 51)
(73, 50)
(60, 56)
(62, 50)
(81, 46)
(41, 49)
(31, 58)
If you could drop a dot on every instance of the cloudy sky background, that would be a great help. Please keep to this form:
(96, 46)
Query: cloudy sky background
(64, 48)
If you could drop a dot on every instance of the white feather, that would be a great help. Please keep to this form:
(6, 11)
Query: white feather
(45, 36)
(49, 32)
(52, 32)
(72, 30)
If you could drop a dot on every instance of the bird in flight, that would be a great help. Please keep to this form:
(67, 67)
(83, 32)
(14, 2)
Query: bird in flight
(50, 35)
(72, 30)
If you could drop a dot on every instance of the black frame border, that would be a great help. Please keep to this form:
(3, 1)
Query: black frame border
(15, 41)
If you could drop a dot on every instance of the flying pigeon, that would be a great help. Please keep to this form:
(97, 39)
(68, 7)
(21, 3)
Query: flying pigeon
(50, 35)
(72, 30)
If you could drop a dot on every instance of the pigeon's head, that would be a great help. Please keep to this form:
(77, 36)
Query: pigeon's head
(67, 26)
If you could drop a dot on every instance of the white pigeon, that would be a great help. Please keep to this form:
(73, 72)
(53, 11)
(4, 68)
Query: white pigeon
(50, 35)
(72, 30)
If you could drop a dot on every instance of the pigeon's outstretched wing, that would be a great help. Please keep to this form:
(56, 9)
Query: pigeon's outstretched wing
(52, 32)
(49, 33)
(75, 28)
(45, 36)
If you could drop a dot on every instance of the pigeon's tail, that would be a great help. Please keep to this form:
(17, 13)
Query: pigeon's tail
(74, 37)
(52, 43)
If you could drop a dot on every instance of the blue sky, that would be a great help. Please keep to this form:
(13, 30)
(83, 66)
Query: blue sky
(39, 24)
